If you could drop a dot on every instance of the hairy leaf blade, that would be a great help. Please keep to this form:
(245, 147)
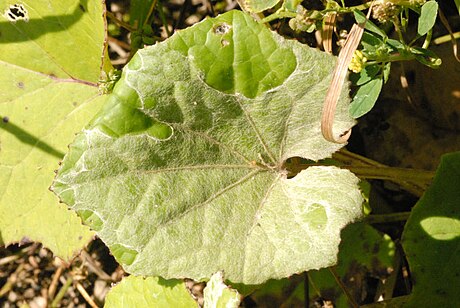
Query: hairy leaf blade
(177, 157)
(217, 294)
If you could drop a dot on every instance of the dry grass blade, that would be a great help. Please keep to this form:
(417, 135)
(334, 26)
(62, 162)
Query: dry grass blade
(86, 296)
(54, 282)
(338, 79)
(326, 33)
(445, 22)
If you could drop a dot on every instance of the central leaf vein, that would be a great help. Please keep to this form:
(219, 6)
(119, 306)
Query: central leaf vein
(257, 133)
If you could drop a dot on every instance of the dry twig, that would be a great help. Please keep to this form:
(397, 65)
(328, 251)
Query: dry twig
(338, 79)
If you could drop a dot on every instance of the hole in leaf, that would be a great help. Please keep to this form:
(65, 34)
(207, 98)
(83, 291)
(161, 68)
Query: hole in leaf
(222, 29)
(16, 12)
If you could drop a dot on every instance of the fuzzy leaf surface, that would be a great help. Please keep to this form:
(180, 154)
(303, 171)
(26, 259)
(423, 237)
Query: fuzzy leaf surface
(181, 174)
(218, 294)
(50, 62)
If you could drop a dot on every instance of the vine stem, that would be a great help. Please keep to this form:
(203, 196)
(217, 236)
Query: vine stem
(414, 181)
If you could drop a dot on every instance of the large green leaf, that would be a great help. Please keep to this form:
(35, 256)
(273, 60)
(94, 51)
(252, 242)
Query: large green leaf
(431, 239)
(50, 62)
(182, 172)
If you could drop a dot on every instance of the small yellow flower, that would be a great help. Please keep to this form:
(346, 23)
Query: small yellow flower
(357, 62)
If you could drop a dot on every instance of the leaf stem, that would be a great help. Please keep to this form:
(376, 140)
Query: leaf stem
(152, 7)
(120, 22)
(414, 181)
(427, 41)
(386, 218)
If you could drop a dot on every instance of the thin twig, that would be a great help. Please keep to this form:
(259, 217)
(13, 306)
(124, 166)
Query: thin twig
(91, 264)
(350, 298)
(86, 296)
(8, 286)
(151, 9)
(445, 22)
(120, 22)
(54, 282)
(62, 292)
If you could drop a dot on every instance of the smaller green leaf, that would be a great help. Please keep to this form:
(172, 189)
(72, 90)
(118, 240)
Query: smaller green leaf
(370, 42)
(361, 18)
(291, 5)
(386, 72)
(427, 17)
(217, 294)
(426, 57)
(457, 3)
(366, 74)
(395, 44)
(365, 98)
(135, 291)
